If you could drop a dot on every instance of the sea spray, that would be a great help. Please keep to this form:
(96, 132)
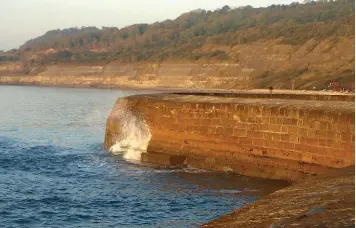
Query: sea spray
(134, 133)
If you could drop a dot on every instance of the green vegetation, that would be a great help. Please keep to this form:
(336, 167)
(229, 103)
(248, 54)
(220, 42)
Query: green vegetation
(9, 56)
(183, 37)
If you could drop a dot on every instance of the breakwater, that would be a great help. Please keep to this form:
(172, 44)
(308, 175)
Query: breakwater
(307, 138)
(269, 138)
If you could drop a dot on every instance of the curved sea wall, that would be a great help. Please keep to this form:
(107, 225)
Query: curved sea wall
(245, 134)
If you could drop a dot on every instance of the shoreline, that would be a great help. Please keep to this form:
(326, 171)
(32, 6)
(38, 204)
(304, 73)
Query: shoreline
(323, 201)
(187, 91)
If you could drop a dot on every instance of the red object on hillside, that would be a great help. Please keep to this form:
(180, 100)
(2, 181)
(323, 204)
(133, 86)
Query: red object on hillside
(334, 84)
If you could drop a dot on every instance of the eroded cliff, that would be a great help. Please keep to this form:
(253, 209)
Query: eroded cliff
(257, 65)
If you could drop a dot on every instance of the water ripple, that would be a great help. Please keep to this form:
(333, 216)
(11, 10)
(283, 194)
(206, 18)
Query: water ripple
(54, 172)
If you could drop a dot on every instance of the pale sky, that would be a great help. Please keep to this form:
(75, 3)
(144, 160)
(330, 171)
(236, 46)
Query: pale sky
(21, 20)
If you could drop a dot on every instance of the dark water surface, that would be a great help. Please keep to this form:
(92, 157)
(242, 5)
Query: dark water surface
(54, 172)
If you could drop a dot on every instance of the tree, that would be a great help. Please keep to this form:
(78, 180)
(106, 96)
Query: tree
(293, 24)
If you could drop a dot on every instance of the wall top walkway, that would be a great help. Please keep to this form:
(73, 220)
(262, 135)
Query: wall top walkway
(277, 94)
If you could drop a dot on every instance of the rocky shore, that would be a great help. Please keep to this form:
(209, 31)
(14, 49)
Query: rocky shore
(320, 201)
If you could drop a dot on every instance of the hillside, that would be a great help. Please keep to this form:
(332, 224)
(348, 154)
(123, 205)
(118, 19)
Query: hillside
(310, 44)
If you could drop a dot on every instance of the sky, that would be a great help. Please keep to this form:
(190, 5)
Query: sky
(21, 20)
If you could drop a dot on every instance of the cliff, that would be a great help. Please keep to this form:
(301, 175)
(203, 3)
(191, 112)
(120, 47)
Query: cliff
(261, 64)
(296, 46)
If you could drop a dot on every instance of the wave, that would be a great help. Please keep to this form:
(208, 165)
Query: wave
(134, 135)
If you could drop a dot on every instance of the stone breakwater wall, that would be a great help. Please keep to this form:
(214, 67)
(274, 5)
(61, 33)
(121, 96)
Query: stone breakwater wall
(269, 138)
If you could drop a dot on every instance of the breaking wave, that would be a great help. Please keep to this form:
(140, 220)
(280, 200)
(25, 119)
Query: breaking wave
(134, 134)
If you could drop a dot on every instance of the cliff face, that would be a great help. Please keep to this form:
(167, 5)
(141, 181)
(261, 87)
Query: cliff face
(295, 46)
(257, 65)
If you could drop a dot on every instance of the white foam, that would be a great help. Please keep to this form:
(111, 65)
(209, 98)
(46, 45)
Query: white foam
(134, 134)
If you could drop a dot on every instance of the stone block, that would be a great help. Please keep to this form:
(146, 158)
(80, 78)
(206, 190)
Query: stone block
(288, 146)
(265, 120)
(349, 147)
(287, 112)
(285, 137)
(302, 131)
(211, 130)
(243, 110)
(300, 123)
(301, 147)
(294, 113)
(228, 131)
(275, 127)
(295, 138)
(267, 136)
(325, 126)
(275, 111)
(164, 159)
(309, 141)
(275, 120)
(275, 144)
(346, 137)
(292, 130)
(285, 129)
(215, 122)
(303, 114)
(311, 133)
(316, 114)
(266, 112)
(240, 132)
(204, 122)
(313, 149)
(257, 142)
(219, 130)
(254, 126)
(321, 134)
(282, 112)
(347, 118)
(182, 127)
(240, 125)
(289, 122)
(204, 130)
(323, 142)
(245, 141)
(255, 134)
(276, 136)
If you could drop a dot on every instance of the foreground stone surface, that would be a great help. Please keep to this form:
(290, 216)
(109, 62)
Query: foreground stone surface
(322, 201)
(270, 138)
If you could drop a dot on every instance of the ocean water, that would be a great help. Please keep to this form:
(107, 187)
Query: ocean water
(54, 172)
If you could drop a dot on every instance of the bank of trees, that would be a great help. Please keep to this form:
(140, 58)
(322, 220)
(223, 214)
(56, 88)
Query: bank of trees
(181, 38)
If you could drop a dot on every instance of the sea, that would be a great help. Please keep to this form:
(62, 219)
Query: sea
(54, 171)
